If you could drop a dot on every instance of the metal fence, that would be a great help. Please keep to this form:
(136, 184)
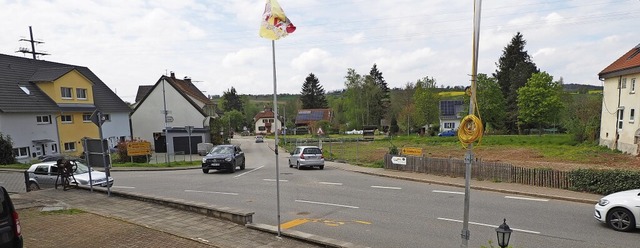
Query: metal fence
(481, 170)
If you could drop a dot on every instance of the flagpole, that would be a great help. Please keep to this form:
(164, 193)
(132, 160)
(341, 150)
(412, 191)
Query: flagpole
(275, 116)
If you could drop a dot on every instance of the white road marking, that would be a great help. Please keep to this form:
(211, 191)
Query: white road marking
(487, 225)
(328, 204)
(239, 175)
(384, 187)
(526, 198)
(448, 192)
(123, 187)
(210, 192)
(273, 180)
(329, 183)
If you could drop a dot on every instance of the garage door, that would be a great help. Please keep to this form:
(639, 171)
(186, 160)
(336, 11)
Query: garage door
(181, 144)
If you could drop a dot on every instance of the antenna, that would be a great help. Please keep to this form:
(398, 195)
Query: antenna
(33, 46)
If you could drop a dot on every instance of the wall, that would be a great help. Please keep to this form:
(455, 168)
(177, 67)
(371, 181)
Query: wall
(24, 129)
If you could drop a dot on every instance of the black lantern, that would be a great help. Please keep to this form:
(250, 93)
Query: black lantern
(504, 233)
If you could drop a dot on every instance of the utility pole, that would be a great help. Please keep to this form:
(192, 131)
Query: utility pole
(33, 46)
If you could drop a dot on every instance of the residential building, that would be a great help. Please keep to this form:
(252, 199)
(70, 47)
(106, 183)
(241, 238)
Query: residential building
(306, 118)
(450, 114)
(619, 129)
(45, 107)
(173, 114)
(265, 123)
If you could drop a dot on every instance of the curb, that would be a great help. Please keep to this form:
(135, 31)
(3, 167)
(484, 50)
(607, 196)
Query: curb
(306, 237)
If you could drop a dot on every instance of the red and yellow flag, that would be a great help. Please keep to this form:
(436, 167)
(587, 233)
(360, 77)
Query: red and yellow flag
(275, 24)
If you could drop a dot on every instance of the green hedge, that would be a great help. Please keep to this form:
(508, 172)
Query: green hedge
(604, 181)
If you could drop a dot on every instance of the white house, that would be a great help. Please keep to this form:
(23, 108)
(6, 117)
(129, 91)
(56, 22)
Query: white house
(619, 129)
(265, 123)
(450, 114)
(168, 111)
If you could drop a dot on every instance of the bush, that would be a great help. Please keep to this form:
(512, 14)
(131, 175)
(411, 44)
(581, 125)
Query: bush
(122, 156)
(6, 150)
(604, 181)
(393, 150)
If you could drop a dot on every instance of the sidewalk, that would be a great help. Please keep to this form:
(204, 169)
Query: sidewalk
(149, 221)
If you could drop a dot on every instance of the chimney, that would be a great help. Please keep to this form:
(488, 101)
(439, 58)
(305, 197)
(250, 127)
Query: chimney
(187, 79)
(173, 75)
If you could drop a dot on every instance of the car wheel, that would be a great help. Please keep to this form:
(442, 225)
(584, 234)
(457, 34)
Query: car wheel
(233, 168)
(205, 171)
(242, 165)
(289, 162)
(33, 186)
(322, 167)
(621, 219)
(298, 166)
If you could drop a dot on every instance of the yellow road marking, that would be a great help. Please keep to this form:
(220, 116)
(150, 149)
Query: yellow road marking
(293, 223)
(362, 222)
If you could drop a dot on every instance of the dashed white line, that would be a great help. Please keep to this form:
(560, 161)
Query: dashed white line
(448, 192)
(330, 183)
(526, 198)
(487, 225)
(273, 180)
(239, 175)
(210, 192)
(328, 204)
(122, 187)
(384, 187)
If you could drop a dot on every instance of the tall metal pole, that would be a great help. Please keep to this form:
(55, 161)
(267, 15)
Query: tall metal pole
(275, 116)
(468, 158)
(33, 46)
(104, 157)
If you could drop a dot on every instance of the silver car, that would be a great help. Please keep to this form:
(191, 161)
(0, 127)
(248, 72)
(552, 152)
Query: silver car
(306, 156)
(45, 174)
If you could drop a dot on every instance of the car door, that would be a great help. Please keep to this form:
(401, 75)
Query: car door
(10, 233)
(44, 176)
(239, 154)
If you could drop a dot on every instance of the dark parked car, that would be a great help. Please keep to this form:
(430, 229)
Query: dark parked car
(449, 132)
(10, 231)
(223, 157)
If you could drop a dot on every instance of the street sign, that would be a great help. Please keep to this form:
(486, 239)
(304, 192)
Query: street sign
(138, 148)
(169, 118)
(413, 151)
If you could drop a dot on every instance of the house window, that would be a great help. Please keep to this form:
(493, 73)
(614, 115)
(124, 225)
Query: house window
(86, 117)
(70, 146)
(21, 152)
(66, 119)
(620, 118)
(54, 148)
(261, 128)
(632, 86)
(632, 115)
(449, 125)
(81, 93)
(43, 119)
(66, 93)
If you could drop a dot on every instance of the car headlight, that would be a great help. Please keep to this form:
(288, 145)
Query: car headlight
(204, 160)
(228, 159)
(603, 202)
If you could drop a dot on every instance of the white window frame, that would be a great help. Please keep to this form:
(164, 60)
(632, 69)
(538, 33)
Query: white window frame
(632, 86)
(632, 115)
(64, 90)
(64, 117)
(21, 152)
(70, 146)
(81, 93)
(86, 117)
(620, 118)
(40, 119)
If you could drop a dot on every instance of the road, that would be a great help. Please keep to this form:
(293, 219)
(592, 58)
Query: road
(376, 211)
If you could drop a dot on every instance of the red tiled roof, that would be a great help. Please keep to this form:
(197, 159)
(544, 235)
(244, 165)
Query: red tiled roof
(629, 60)
(188, 88)
(263, 114)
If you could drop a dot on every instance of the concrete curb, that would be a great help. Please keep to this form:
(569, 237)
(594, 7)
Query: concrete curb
(311, 238)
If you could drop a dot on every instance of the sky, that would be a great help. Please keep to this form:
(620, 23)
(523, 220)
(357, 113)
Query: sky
(128, 43)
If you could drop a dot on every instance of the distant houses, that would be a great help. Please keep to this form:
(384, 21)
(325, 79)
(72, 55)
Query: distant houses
(46, 107)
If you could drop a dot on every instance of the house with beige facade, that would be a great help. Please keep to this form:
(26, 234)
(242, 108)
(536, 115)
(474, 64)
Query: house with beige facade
(619, 127)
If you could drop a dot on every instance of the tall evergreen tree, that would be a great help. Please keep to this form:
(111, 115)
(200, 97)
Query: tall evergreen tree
(313, 95)
(231, 101)
(379, 99)
(514, 69)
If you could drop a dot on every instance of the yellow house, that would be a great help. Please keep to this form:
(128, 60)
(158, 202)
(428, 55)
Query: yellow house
(73, 93)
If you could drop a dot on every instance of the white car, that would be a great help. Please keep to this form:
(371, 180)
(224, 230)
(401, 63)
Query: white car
(45, 174)
(620, 210)
(306, 156)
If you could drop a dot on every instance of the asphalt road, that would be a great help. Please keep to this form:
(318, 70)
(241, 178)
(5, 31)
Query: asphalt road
(377, 211)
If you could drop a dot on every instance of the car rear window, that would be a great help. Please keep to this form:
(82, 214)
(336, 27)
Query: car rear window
(312, 151)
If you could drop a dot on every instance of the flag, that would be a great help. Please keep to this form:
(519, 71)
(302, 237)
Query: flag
(275, 24)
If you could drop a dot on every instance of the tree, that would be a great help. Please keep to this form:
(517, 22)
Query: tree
(514, 69)
(6, 150)
(427, 100)
(539, 101)
(354, 111)
(380, 98)
(313, 95)
(582, 116)
(490, 102)
(231, 100)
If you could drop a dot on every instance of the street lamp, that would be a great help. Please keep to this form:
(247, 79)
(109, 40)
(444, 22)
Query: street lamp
(504, 233)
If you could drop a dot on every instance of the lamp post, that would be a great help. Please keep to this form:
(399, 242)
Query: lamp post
(504, 234)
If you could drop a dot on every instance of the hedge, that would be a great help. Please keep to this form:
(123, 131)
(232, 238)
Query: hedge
(604, 181)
